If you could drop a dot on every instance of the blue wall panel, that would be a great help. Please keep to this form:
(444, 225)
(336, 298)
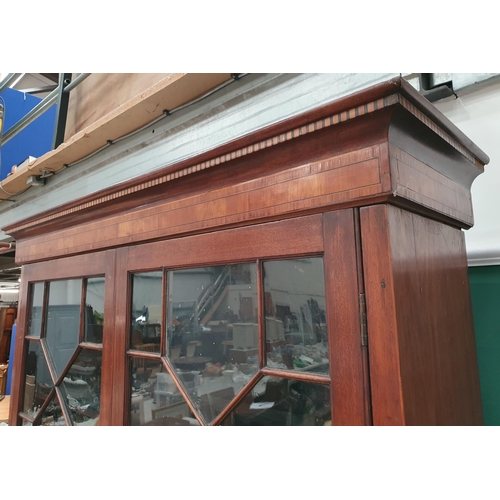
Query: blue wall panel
(35, 140)
(11, 358)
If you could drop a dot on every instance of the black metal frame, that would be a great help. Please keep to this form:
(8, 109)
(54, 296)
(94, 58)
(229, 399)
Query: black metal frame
(60, 95)
(62, 110)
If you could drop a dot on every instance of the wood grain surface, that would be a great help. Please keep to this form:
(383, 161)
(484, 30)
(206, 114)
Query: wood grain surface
(383, 156)
(423, 361)
(344, 336)
(4, 409)
(294, 190)
(291, 179)
(383, 341)
(102, 93)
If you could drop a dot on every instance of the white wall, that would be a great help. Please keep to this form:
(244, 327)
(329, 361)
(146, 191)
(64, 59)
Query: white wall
(477, 114)
(8, 296)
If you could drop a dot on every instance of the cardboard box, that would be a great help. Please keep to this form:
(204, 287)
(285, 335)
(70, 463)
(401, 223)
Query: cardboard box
(245, 335)
(275, 330)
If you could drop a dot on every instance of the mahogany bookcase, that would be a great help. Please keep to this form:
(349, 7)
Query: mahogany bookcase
(375, 187)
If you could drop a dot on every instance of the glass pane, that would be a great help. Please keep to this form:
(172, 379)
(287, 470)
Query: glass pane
(37, 382)
(146, 311)
(52, 414)
(212, 331)
(295, 311)
(278, 401)
(35, 315)
(63, 321)
(94, 310)
(154, 397)
(82, 387)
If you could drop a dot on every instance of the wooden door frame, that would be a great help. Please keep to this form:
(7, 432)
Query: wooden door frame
(331, 235)
(81, 266)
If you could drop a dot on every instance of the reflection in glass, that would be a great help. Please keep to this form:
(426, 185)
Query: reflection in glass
(146, 311)
(279, 401)
(213, 332)
(81, 387)
(37, 382)
(154, 397)
(295, 312)
(52, 414)
(94, 310)
(35, 314)
(63, 321)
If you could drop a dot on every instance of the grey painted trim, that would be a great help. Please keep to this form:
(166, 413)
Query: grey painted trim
(464, 83)
(483, 257)
(483, 262)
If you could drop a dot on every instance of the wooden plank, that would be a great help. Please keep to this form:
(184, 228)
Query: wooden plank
(439, 371)
(4, 367)
(6, 322)
(102, 93)
(385, 378)
(169, 93)
(344, 339)
(70, 267)
(362, 317)
(4, 409)
(120, 339)
(108, 340)
(249, 162)
(288, 192)
(275, 239)
(423, 363)
(430, 169)
(416, 181)
(19, 355)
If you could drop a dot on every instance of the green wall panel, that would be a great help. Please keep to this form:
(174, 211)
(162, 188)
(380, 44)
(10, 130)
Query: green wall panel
(485, 294)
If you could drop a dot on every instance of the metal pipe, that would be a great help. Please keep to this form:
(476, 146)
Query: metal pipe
(31, 116)
(18, 79)
(62, 110)
(6, 81)
(79, 79)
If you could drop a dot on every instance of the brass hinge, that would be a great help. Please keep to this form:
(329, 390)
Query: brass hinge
(362, 320)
